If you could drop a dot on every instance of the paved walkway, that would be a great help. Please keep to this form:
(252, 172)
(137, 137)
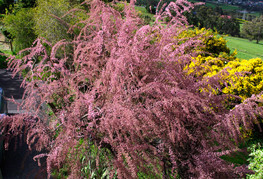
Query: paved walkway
(11, 87)
(18, 163)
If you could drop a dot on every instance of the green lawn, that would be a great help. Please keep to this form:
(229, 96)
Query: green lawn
(143, 11)
(245, 49)
(223, 6)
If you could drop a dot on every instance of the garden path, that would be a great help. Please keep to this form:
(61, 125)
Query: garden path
(18, 160)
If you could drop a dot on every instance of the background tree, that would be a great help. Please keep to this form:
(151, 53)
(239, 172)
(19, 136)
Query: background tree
(4, 4)
(24, 25)
(228, 25)
(18, 26)
(209, 18)
(7, 4)
(27, 3)
(206, 17)
(253, 30)
(50, 22)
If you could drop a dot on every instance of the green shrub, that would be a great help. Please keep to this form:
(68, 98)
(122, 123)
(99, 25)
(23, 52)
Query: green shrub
(46, 25)
(256, 161)
(93, 161)
(20, 26)
(3, 63)
(51, 21)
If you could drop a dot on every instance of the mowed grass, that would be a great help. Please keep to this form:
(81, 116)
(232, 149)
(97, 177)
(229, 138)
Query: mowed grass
(245, 49)
(223, 6)
(226, 7)
(144, 11)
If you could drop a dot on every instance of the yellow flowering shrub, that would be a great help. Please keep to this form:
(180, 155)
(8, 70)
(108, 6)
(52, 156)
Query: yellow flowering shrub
(243, 77)
(250, 79)
(207, 65)
(214, 45)
(238, 77)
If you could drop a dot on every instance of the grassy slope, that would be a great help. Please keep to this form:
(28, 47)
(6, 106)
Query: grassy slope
(143, 11)
(245, 49)
(223, 6)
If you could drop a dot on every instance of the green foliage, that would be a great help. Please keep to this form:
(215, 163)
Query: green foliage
(205, 17)
(228, 25)
(152, 3)
(51, 21)
(92, 159)
(237, 158)
(245, 156)
(241, 21)
(253, 30)
(5, 4)
(147, 17)
(20, 26)
(209, 18)
(27, 3)
(214, 4)
(3, 63)
(60, 173)
(46, 25)
(24, 25)
(119, 7)
(8, 4)
(256, 161)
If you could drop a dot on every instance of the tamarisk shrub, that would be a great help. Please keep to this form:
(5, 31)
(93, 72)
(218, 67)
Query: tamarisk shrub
(121, 86)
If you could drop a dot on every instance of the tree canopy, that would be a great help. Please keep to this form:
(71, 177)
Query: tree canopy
(207, 17)
(6, 4)
(253, 30)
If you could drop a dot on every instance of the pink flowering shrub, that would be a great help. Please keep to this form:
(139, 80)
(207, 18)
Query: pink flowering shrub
(121, 86)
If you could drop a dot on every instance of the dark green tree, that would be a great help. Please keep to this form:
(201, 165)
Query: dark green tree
(27, 3)
(8, 4)
(228, 25)
(4, 4)
(219, 10)
(203, 16)
(209, 18)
